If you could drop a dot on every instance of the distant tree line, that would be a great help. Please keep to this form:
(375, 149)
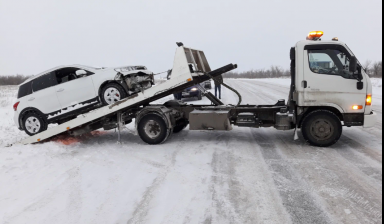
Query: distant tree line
(374, 70)
(12, 80)
(273, 72)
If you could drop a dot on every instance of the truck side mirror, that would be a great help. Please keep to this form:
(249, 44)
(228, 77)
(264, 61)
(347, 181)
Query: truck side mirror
(360, 85)
(353, 64)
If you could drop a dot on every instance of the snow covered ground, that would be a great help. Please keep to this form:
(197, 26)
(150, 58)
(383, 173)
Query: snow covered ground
(244, 176)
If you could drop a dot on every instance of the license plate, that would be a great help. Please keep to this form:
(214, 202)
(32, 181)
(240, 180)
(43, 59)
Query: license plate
(186, 94)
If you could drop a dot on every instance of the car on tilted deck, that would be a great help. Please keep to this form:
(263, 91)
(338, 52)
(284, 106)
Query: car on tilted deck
(63, 93)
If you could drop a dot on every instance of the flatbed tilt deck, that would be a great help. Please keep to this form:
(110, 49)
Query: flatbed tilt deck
(321, 123)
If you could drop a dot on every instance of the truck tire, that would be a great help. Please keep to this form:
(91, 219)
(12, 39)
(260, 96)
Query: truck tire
(322, 128)
(34, 123)
(180, 126)
(153, 129)
(112, 93)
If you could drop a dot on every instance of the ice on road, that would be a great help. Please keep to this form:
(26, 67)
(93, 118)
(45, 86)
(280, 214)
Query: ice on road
(243, 176)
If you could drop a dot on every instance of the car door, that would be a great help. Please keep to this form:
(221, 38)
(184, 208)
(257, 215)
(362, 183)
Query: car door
(44, 96)
(327, 80)
(72, 90)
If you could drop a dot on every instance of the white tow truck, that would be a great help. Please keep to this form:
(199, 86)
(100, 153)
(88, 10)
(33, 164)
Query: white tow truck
(330, 90)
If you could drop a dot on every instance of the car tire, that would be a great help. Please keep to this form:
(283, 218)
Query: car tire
(153, 129)
(322, 128)
(34, 123)
(112, 93)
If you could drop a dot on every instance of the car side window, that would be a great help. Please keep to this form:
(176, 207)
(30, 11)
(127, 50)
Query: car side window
(329, 62)
(25, 90)
(43, 82)
(68, 74)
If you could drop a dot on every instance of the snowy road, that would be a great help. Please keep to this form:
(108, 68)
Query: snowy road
(244, 176)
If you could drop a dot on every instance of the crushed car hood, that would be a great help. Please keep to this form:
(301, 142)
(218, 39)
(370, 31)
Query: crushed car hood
(126, 70)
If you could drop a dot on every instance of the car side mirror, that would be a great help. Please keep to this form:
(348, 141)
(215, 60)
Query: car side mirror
(81, 73)
(353, 64)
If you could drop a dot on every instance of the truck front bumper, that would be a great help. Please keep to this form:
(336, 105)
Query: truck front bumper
(370, 120)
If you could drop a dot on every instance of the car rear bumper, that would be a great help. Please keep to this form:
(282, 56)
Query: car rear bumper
(370, 120)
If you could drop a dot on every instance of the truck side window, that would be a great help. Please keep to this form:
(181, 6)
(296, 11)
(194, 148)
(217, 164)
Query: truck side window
(321, 62)
(329, 62)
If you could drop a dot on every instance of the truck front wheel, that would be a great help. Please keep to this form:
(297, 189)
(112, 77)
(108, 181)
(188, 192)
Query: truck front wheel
(322, 128)
(153, 130)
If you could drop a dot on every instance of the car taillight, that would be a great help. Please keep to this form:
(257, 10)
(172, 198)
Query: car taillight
(369, 100)
(16, 105)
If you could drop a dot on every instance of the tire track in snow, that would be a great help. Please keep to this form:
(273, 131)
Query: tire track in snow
(372, 169)
(142, 209)
(241, 196)
(223, 166)
(361, 148)
(349, 194)
(302, 206)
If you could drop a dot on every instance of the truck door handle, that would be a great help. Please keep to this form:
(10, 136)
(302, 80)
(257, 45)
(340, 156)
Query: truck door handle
(32, 99)
(305, 84)
(60, 90)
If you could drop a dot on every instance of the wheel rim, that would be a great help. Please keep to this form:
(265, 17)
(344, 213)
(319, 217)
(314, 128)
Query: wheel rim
(322, 129)
(33, 125)
(152, 129)
(112, 95)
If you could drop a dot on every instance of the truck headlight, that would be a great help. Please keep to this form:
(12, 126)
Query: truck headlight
(194, 89)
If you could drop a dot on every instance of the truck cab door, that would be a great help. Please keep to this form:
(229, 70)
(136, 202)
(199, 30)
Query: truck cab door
(328, 81)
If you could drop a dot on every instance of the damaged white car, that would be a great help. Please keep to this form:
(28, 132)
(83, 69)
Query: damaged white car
(62, 93)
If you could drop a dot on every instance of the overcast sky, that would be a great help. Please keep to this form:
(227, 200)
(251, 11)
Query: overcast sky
(41, 34)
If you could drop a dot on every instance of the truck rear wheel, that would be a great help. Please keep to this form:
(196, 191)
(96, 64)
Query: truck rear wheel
(153, 130)
(322, 128)
(182, 124)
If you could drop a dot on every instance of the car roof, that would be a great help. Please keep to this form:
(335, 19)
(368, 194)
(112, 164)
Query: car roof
(56, 68)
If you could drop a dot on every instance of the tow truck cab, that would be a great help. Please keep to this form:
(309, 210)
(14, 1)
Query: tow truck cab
(326, 75)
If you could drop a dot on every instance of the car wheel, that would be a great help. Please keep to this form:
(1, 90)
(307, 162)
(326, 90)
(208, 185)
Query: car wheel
(34, 123)
(153, 130)
(112, 93)
(322, 128)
